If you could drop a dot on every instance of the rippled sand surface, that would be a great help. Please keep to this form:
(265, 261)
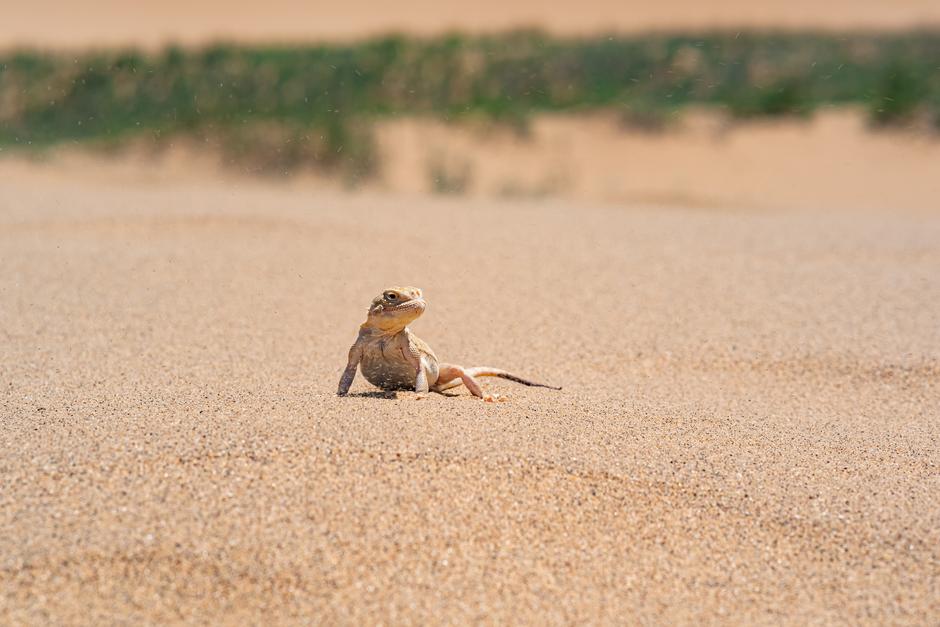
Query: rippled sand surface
(749, 428)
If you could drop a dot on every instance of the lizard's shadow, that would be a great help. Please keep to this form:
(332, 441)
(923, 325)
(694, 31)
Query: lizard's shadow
(393, 395)
(389, 396)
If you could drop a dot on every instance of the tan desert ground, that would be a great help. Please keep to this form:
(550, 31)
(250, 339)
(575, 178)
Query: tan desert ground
(833, 161)
(749, 429)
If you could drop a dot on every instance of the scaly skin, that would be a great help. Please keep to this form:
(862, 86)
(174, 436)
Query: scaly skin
(393, 358)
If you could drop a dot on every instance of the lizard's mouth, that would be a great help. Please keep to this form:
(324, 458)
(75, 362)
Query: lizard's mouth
(414, 303)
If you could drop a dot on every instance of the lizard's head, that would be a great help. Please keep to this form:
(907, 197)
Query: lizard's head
(396, 307)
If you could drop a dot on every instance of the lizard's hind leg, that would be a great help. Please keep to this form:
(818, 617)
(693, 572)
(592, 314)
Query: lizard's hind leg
(451, 376)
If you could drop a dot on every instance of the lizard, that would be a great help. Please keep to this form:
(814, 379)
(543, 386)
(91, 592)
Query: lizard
(391, 357)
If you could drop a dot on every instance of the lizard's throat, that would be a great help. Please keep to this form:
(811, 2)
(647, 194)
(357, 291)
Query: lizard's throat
(396, 320)
(387, 327)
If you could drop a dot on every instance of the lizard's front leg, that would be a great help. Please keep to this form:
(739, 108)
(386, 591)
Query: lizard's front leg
(422, 386)
(355, 356)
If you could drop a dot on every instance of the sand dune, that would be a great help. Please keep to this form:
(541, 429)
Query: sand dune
(105, 23)
(832, 162)
(748, 431)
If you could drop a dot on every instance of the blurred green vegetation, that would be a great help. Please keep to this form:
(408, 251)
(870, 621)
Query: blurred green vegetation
(284, 106)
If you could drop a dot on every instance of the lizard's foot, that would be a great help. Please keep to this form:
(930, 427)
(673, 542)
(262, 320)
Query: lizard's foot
(495, 398)
(419, 396)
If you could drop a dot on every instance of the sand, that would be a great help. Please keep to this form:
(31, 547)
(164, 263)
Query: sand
(701, 159)
(832, 161)
(108, 23)
(748, 429)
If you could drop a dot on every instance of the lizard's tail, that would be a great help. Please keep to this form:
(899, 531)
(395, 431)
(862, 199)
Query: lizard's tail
(485, 371)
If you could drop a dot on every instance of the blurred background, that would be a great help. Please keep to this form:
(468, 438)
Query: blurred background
(728, 103)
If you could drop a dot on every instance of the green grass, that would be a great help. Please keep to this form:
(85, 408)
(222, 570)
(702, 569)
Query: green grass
(314, 105)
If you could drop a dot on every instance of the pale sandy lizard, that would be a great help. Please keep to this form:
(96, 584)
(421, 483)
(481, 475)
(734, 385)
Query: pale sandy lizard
(394, 358)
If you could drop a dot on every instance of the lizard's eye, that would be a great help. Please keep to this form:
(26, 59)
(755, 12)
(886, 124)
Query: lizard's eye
(391, 296)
